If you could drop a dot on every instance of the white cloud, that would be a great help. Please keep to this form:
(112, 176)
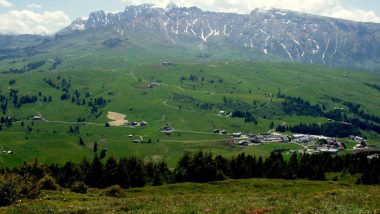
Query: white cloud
(29, 22)
(332, 8)
(5, 3)
(353, 14)
(34, 6)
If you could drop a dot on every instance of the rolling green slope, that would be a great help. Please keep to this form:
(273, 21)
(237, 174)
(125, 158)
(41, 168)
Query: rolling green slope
(189, 98)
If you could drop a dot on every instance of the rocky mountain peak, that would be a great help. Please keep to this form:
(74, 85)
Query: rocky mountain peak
(289, 35)
(171, 6)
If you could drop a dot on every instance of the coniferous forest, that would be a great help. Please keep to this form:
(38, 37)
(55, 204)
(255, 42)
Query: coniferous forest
(200, 167)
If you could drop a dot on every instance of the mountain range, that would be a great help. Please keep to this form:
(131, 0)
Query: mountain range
(271, 34)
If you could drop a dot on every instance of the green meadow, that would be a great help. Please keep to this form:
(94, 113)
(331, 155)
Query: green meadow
(177, 102)
(231, 196)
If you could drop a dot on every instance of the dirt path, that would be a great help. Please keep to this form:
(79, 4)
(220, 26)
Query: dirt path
(298, 144)
(88, 54)
(68, 122)
(196, 132)
(292, 88)
(194, 141)
(267, 103)
(182, 89)
(131, 75)
(260, 107)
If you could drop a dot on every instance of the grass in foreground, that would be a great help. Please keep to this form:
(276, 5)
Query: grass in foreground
(231, 196)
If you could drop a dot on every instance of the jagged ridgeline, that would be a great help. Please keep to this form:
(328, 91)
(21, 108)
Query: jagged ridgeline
(180, 33)
(271, 34)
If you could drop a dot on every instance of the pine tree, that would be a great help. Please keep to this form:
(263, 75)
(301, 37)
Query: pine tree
(136, 172)
(111, 172)
(271, 125)
(162, 174)
(95, 147)
(95, 174)
(149, 170)
(292, 167)
(81, 141)
(222, 167)
(260, 168)
(69, 174)
(103, 154)
(181, 171)
(123, 175)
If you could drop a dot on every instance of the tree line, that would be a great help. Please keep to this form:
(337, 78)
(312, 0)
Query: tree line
(238, 109)
(248, 116)
(28, 67)
(19, 100)
(24, 181)
(201, 167)
(356, 109)
(361, 120)
(333, 129)
(299, 106)
(94, 103)
(374, 86)
(32, 66)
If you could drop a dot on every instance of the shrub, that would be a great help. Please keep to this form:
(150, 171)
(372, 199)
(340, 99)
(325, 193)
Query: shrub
(9, 190)
(79, 187)
(29, 188)
(14, 187)
(12, 82)
(48, 183)
(114, 191)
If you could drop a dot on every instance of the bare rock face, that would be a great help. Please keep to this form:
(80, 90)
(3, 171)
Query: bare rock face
(276, 33)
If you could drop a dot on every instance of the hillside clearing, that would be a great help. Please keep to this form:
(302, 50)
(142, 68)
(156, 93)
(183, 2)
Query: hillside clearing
(118, 119)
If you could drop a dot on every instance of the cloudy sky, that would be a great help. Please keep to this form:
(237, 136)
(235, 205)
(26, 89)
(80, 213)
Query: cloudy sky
(48, 16)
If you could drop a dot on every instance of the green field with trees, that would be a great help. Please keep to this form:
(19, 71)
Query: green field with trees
(61, 153)
(73, 102)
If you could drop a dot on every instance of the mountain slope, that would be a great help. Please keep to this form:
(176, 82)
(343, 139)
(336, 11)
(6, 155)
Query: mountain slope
(15, 45)
(273, 33)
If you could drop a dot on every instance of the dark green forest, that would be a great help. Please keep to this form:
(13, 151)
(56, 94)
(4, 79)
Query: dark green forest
(26, 180)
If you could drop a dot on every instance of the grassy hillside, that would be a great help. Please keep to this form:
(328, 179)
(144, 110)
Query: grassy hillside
(232, 196)
(177, 101)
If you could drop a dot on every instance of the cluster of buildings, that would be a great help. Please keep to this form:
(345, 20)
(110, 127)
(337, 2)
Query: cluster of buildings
(303, 138)
(358, 139)
(312, 151)
(319, 143)
(137, 124)
(361, 147)
(246, 140)
(361, 142)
